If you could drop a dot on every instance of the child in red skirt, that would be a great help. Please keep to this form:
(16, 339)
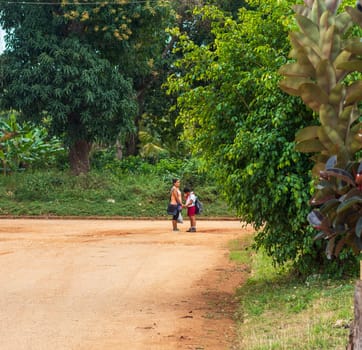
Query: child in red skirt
(190, 200)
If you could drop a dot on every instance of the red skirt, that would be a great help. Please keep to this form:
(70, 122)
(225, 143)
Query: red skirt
(191, 211)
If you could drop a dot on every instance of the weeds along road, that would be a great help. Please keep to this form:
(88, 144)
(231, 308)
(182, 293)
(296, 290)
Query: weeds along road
(114, 284)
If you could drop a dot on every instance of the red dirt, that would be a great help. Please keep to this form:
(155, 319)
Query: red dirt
(117, 284)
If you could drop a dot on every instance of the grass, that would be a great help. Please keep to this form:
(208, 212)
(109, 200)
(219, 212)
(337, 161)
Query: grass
(279, 311)
(99, 193)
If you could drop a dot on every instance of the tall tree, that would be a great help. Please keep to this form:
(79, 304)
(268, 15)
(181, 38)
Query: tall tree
(243, 126)
(80, 64)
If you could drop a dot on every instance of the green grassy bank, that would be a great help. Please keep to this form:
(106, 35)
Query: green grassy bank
(280, 312)
(99, 193)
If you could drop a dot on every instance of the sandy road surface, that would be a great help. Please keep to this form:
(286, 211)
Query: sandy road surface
(112, 284)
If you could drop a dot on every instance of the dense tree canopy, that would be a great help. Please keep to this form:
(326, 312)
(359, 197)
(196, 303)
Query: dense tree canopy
(80, 66)
(238, 120)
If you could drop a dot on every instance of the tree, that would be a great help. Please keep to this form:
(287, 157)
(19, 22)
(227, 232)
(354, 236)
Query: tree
(80, 64)
(243, 126)
(157, 117)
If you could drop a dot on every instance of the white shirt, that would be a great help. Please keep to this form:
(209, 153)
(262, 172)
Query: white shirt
(191, 199)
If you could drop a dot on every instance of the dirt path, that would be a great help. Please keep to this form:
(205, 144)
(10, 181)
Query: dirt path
(112, 284)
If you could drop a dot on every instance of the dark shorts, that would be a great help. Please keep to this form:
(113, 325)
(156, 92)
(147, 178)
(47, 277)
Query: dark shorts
(191, 211)
(175, 217)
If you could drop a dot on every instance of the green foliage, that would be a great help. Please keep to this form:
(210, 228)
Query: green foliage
(325, 54)
(242, 126)
(80, 65)
(98, 193)
(191, 170)
(24, 145)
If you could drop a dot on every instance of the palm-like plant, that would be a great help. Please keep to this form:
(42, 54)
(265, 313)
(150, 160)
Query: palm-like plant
(324, 56)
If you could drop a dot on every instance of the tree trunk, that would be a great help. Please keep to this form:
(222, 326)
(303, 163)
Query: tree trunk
(355, 335)
(79, 157)
(131, 145)
(119, 150)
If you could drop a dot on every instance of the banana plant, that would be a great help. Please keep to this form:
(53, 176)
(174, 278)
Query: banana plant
(25, 144)
(324, 56)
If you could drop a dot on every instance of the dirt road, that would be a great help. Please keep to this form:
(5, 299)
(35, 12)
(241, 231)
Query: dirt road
(112, 284)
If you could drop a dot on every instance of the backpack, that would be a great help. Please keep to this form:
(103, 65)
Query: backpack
(199, 206)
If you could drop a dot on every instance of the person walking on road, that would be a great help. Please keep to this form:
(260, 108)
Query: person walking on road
(190, 200)
(176, 199)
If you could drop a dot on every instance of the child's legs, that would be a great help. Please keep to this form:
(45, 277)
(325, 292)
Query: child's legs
(193, 220)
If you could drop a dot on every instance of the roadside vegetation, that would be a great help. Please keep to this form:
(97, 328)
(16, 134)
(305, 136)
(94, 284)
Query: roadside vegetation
(247, 102)
(278, 311)
(132, 188)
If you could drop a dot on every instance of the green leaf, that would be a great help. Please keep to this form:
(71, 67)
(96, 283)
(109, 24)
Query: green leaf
(309, 146)
(354, 93)
(342, 57)
(333, 135)
(308, 133)
(309, 28)
(336, 96)
(329, 206)
(343, 22)
(322, 196)
(349, 204)
(325, 140)
(354, 45)
(292, 85)
(339, 174)
(326, 43)
(310, 48)
(326, 76)
(313, 96)
(351, 66)
(297, 70)
(328, 116)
